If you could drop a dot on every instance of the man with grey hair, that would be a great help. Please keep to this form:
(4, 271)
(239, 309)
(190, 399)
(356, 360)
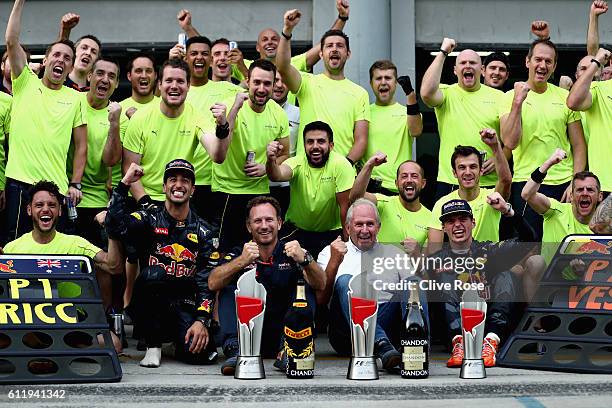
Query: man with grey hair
(342, 260)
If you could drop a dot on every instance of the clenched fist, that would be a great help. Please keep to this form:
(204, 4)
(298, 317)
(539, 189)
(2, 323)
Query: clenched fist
(448, 45)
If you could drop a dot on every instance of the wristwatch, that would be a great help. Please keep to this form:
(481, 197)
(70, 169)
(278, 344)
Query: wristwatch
(206, 321)
(307, 259)
(78, 186)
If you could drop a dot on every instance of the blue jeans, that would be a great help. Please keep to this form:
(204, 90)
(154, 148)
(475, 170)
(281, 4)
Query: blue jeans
(390, 314)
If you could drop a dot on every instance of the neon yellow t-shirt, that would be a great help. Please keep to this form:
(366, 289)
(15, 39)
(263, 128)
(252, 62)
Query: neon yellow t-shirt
(486, 217)
(389, 133)
(42, 120)
(338, 103)
(397, 223)
(599, 118)
(461, 116)
(559, 222)
(252, 132)
(202, 98)
(298, 62)
(5, 124)
(312, 203)
(123, 124)
(160, 139)
(96, 173)
(61, 244)
(545, 118)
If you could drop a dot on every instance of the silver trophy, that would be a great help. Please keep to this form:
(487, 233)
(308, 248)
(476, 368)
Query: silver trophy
(473, 316)
(250, 309)
(363, 307)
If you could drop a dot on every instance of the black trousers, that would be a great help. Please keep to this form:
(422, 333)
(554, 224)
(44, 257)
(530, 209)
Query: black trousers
(232, 224)
(312, 241)
(164, 309)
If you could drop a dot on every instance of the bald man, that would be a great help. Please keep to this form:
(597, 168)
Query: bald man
(462, 109)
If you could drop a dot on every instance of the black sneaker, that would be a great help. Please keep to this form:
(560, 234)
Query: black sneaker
(231, 353)
(389, 356)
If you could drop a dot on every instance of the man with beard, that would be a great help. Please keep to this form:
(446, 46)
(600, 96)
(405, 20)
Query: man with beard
(594, 99)
(204, 94)
(392, 126)
(496, 70)
(171, 129)
(462, 109)
(88, 49)
(243, 175)
(534, 119)
(329, 97)
(467, 166)
(562, 219)
(403, 218)
(57, 122)
(279, 265)
(320, 183)
(172, 300)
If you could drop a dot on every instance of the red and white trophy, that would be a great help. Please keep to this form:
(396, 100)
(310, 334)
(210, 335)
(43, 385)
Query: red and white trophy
(250, 309)
(473, 316)
(363, 309)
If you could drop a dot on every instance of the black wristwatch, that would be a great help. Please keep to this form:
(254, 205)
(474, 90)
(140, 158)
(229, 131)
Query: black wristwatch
(78, 186)
(307, 259)
(206, 321)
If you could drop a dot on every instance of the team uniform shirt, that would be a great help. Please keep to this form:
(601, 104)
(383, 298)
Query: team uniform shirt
(298, 62)
(160, 139)
(312, 203)
(123, 124)
(599, 117)
(96, 173)
(461, 116)
(559, 222)
(202, 98)
(61, 244)
(397, 223)
(42, 120)
(293, 115)
(338, 103)
(252, 132)
(545, 118)
(486, 217)
(389, 133)
(5, 124)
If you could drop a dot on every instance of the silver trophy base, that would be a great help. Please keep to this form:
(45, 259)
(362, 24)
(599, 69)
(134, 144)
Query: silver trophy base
(362, 368)
(249, 368)
(472, 369)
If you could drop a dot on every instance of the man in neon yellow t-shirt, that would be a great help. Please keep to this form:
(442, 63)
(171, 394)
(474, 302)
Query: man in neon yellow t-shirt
(57, 122)
(467, 168)
(462, 110)
(329, 97)
(320, 182)
(242, 175)
(534, 120)
(172, 129)
(595, 100)
(5, 123)
(561, 219)
(103, 146)
(403, 218)
(392, 126)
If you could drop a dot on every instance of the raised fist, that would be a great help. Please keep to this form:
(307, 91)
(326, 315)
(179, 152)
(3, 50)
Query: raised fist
(133, 174)
(291, 19)
(406, 84)
(114, 112)
(69, 21)
(599, 7)
(448, 45)
(377, 159)
(521, 89)
(240, 98)
(130, 112)
(184, 18)
(343, 8)
(603, 56)
(489, 137)
(496, 201)
(540, 29)
(565, 82)
(273, 150)
(338, 249)
(219, 113)
(557, 156)
(250, 252)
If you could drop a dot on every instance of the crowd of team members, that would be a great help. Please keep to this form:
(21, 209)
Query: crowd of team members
(245, 129)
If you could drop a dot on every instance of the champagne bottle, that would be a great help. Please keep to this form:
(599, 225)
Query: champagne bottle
(414, 340)
(299, 339)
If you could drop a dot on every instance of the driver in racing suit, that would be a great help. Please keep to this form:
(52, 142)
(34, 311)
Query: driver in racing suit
(479, 262)
(172, 301)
